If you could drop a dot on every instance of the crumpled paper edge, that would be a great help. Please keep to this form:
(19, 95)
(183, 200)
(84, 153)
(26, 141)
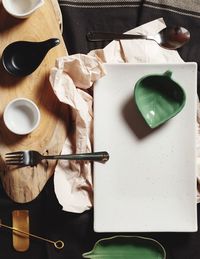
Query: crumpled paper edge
(72, 178)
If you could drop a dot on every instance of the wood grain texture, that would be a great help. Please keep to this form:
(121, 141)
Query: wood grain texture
(58, 13)
(24, 184)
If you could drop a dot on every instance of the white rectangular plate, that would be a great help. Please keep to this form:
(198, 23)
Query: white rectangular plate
(149, 182)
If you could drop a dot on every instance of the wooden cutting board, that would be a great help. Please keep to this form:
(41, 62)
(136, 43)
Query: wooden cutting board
(24, 184)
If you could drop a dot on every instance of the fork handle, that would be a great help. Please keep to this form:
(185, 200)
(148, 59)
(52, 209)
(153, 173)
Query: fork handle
(101, 156)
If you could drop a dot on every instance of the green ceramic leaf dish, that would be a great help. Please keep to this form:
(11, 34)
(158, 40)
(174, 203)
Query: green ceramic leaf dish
(158, 98)
(127, 247)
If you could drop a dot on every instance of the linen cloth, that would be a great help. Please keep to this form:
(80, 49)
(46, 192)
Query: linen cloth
(72, 180)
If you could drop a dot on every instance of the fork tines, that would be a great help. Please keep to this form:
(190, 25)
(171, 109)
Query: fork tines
(14, 158)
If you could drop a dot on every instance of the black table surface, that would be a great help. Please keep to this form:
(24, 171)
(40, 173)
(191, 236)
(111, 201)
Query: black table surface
(46, 216)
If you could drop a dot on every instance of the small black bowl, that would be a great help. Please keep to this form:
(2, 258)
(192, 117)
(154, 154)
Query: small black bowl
(21, 58)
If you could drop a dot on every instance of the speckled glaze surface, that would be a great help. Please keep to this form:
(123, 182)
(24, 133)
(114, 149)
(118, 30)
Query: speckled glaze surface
(158, 98)
(149, 182)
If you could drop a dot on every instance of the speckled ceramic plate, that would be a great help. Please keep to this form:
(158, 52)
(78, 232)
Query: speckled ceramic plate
(149, 182)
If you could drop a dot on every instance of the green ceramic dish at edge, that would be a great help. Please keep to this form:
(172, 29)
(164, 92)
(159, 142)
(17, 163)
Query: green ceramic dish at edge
(158, 98)
(121, 247)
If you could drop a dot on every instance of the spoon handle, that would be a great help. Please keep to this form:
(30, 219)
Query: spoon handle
(102, 36)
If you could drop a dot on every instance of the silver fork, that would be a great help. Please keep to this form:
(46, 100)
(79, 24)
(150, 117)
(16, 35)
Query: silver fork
(32, 157)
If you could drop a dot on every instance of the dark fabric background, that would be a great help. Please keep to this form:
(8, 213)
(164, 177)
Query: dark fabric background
(46, 216)
(76, 230)
(79, 21)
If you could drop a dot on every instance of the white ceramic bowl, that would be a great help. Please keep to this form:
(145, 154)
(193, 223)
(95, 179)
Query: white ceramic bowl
(21, 116)
(21, 8)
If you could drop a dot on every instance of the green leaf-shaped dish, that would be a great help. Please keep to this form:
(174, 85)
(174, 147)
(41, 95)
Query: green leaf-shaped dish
(127, 247)
(158, 98)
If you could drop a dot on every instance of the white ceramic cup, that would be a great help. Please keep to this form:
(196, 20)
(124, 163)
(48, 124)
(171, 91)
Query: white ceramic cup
(21, 8)
(21, 116)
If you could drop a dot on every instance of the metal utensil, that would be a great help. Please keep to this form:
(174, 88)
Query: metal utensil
(32, 157)
(59, 244)
(169, 38)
